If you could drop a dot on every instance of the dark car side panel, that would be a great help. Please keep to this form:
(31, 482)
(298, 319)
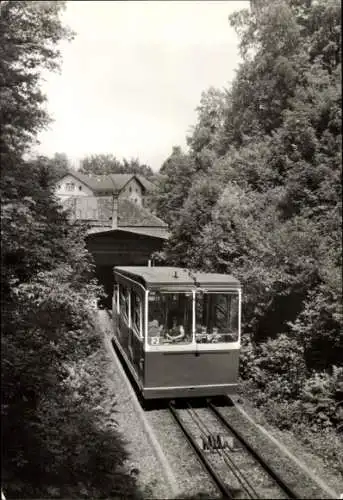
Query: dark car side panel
(178, 370)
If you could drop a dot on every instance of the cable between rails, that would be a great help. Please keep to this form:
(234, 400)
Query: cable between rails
(208, 466)
(243, 481)
(267, 467)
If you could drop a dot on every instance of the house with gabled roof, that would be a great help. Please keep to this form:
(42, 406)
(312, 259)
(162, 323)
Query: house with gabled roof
(114, 201)
(125, 186)
(121, 230)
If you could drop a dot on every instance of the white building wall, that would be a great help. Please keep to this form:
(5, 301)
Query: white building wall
(69, 186)
(132, 192)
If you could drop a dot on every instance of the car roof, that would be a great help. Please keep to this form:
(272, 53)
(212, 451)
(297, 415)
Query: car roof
(177, 277)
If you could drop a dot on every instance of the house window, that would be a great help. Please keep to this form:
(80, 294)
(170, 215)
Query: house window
(59, 186)
(80, 188)
(70, 186)
(130, 189)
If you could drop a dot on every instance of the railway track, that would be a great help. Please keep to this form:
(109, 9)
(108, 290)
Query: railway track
(226, 456)
(184, 464)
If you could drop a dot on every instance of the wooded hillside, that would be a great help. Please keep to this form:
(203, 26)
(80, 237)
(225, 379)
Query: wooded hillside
(57, 438)
(258, 195)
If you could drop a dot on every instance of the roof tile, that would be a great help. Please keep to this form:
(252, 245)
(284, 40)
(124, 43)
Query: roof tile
(130, 214)
(111, 182)
(100, 208)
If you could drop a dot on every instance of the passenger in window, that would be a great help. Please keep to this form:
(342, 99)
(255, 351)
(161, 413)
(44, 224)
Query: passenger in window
(214, 336)
(201, 335)
(154, 332)
(177, 332)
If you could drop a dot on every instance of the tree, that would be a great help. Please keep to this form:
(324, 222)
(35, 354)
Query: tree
(173, 185)
(279, 44)
(47, 291)
(29, 36)
(181, 171)
(60, 164)
(182, 248)
(133, 166)
(100, 164)
(104, 164)
(272, 145)
(56, 166)
(292, 151)
(206, 135)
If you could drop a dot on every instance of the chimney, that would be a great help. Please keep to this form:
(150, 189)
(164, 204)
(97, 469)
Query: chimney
(115, 212)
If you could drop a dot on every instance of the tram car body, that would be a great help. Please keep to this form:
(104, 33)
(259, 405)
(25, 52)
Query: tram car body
(179, 332)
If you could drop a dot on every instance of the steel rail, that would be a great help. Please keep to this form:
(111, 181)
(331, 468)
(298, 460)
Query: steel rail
(204, 460)
(243, 481)
(253, 451)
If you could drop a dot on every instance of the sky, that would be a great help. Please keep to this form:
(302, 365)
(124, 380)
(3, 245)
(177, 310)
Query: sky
(131, 79)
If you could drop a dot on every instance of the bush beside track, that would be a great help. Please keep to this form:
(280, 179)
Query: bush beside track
(274, 378)
(74, 449)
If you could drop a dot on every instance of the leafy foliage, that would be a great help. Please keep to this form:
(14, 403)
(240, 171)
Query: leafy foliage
(259, 196)
(104, 164)
(194, 215)
(173, 185)
(276, 367)
(74, 448)
(59, 164)
(29, 33)
(272, 144)
(55, 439)
(276, 379)
(206, 136)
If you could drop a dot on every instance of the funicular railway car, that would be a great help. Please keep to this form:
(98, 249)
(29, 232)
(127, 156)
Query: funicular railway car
(178, 331)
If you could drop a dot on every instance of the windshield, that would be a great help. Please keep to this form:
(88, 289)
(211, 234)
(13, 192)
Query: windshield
(216, 317)
(170, 318)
